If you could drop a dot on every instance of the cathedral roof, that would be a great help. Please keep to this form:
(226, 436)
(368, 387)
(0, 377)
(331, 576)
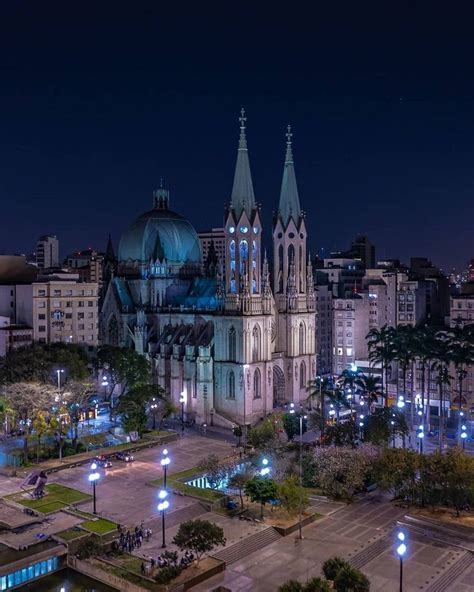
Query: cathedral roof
(289, 206)
(160, 234)
(243, 197)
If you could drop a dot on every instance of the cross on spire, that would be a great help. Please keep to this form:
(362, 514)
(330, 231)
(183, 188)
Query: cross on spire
(243, 138)
(289, 151)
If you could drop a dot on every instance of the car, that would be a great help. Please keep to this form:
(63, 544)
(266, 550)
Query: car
(103, 461)
(125, 456)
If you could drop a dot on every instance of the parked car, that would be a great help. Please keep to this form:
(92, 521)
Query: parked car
(103, 461)
(125, 456)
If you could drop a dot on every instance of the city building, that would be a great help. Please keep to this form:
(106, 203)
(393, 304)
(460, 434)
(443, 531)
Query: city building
(88, 265)
(213, 242)
(363, 250)
(223, 340)
(47, 251)
(65, 309)
(324, 328)
(13, 336)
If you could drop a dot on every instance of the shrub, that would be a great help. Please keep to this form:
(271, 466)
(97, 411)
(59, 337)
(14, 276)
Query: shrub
(349, 578)
(291, 586)
(317, 585)
(167, 574)
(332, 566)
(89, 548)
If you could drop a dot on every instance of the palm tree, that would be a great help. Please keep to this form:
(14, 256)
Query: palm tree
(371, 388)
(382, 351)
(317, 390)
(338, 398)
(403, 351)
(461, 353)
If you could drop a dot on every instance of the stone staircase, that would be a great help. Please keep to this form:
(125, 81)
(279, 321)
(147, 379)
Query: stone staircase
(453, 573)
(370, 552)
(247, 546)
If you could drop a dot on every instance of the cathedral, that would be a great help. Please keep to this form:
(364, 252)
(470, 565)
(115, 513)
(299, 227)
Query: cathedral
(233, 339)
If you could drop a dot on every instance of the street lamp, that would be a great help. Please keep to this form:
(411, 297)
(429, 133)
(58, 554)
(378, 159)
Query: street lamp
(463, 436)
(420, 436)
(154, 407)
(401, 402)
(162, 507)
(301, 417)
(93, 478)
(182, 400)
(165, 461)
(264, 471)
(401, 550)
(392, 423)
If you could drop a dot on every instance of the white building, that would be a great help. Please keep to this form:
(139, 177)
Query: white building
(47, 251)
(236, 346)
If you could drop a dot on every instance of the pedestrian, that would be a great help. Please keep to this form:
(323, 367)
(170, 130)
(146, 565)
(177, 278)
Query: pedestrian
(142, 567)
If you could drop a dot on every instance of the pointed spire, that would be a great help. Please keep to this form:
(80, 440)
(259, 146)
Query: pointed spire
(289, 206)
(109, 251)
(243, 197)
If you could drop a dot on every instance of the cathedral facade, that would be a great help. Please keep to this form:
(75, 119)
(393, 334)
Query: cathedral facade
(236, 339)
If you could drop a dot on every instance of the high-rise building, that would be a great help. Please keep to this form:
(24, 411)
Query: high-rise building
(47, 251)
(363, 250)
(213, 239)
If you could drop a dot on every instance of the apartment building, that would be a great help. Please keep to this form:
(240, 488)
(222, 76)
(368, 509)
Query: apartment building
(324, 329)
(47, 251)
(216, 236)
(65, 309)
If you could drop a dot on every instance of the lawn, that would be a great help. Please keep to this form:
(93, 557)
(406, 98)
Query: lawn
(71, 533)
(99, 526)
(176, 481)
(54, 494)
(50, 507)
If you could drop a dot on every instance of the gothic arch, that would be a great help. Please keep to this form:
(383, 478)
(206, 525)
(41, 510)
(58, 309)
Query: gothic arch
(231, 385)
(256, 343)
(302, 375)
(301, 338)
(257, 384)
(279, 397)
(232, 344)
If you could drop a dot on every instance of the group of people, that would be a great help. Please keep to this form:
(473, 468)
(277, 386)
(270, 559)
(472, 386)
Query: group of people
(166, 559)
(129, 541)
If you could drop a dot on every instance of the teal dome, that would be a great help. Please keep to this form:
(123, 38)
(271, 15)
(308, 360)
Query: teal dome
(160, 234)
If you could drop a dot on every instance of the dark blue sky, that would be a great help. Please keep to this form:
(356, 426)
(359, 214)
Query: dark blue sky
(98, 100)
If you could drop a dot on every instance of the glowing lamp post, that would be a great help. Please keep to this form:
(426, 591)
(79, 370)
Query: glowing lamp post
(264, 471)
(162, 507)
(183, 398)
(401, 550)
(420, 436)
(301, 417)
(93, 478)
(463, 436)
(165, 461)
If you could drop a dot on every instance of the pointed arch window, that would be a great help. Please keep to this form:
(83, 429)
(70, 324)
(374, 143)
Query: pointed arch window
(257, 384)
(232, 345)
(301, 338)
(302, 375)
(300, 265)
(231, 385)
(280, 268)
(256, 344)
(291, 254)
(244, 254)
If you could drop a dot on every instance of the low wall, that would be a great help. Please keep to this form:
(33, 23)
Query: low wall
(285, 531)
(88, 569)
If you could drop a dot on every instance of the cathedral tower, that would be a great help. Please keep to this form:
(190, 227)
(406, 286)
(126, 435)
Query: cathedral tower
(243, 232)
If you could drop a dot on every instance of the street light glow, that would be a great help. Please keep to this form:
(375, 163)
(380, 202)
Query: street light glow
(401, 550)
(401, 536)
(163, 494)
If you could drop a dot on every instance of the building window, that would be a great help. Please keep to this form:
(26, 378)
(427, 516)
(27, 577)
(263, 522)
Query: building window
(41, 317)
(232, 338)
(302, 375)
(41, 292)
(257, 384)
(90, 303)
(231, 385)
(57, 293)
(256, 344)
(81, 304)
(42, 329)
(301, 338)
(41, 304)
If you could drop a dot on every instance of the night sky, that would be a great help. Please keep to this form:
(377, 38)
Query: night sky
(99, 100)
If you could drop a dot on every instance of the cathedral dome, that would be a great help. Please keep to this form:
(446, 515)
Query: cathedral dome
(160, 234)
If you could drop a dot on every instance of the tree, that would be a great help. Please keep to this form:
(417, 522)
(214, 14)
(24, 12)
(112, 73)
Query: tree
(7, 415)
(238, 480)
(199, 536)
(25, 399)
(134, 404)
(292, 497)
(264, 435)
(317, 390)
(38, 362)
(41, 427)
(380, 429)
(75, 400)
(397, 472)
(317, 585)
(456, 469)
(291, 586)
(58, 425)
(371, 388)
(214, 470)
(291, 425)
(382, 351)
(403, 351)
(262, 490)
(123, 366)
(349, 578)
(461, 352)
(341, 434)
(332, 566)
(338, 399)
